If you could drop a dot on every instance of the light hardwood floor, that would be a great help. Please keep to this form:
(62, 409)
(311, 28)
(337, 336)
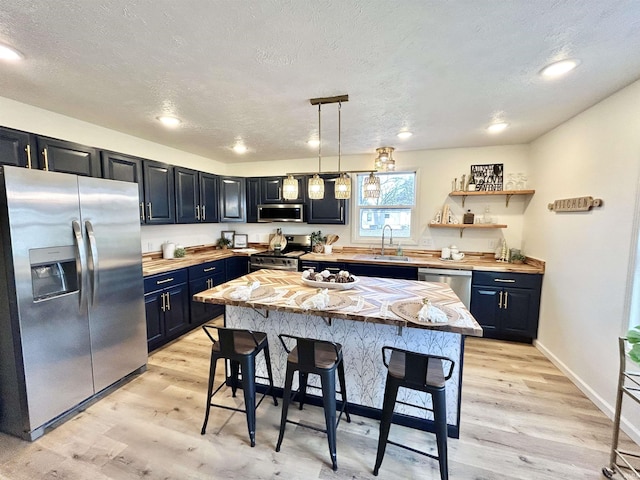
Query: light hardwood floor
(521, 419)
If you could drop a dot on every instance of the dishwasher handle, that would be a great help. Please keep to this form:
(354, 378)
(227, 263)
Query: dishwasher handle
(444, 272)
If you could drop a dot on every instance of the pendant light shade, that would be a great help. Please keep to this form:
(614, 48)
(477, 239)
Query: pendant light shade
(316, 188)
(316, 184)
(343, 187)
(290, 188)
(371, 186)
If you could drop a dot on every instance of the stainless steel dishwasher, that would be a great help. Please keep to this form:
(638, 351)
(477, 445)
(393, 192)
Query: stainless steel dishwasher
(458, 280)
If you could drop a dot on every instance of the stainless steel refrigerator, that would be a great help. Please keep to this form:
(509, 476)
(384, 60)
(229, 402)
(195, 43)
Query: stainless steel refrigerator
(72, 322)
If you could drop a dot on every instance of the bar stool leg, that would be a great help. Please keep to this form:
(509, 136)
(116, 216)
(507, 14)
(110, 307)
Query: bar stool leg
(302, 390)
(267, 358)
(249, 390)
(212, 376)
(440, 420)
(329, 400)
(343, 389)
(390, 393)
(235, 367)
(286, 398)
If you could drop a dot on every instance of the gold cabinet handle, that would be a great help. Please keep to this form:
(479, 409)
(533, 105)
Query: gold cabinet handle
(28, 150)
(506, 299)
(168, 300)
(500, 301)
(164, 305)
(46, 159)
(204, 214)
(149, 207)
(141, 211)
(198, 212)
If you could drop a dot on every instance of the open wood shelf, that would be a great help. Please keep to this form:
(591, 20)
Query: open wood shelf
(462, 226)
(507, 193)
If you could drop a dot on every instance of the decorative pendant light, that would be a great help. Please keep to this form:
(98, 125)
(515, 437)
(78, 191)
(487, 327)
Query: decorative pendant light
(290, 188)
(316, 184)
(343, 182)
(384, 161)
(371, 186)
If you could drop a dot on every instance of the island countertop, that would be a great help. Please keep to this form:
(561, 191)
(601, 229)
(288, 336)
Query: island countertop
(370, 300)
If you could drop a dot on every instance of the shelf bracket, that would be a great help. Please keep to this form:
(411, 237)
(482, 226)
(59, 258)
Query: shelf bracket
(399, 331)
(464, 197)
(507, 200)
(327, 320)
(461, 230)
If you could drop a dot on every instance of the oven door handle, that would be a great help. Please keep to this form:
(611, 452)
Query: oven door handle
(290, 268)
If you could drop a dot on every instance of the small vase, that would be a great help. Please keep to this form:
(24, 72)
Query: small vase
(318, 248)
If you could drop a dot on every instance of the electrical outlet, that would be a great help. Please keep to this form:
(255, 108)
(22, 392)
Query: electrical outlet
(493, 244)
(149, 246)
(427, 242)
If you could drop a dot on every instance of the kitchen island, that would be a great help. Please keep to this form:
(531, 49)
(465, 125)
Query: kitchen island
(363, 319)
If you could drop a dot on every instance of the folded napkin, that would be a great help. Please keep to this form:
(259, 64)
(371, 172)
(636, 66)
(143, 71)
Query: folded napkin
(244, 292)
(319, 301)
(431, 313)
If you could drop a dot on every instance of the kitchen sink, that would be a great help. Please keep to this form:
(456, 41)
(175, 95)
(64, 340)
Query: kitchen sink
(384, 258)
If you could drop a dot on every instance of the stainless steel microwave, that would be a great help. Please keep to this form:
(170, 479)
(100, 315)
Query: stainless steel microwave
(282, 212)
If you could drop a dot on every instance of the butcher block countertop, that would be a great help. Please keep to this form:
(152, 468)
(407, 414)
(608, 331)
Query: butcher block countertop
(370, 300)
(153, 263)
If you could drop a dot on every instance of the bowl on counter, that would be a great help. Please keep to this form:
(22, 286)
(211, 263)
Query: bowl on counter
(332, 285)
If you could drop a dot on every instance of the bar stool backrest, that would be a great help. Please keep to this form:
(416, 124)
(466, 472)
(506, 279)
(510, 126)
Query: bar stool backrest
(227, 338)
(417, 366)
(306, 349)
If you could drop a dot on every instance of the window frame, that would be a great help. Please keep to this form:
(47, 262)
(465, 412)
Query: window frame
(356, 209)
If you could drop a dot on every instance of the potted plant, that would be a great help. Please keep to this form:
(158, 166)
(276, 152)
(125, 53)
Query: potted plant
(317, 241)
(223, 243)
(518, 258)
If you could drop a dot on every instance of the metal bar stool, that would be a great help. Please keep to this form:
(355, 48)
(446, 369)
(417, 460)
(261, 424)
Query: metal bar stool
(322, 358)
(415, 371)
(240, 347)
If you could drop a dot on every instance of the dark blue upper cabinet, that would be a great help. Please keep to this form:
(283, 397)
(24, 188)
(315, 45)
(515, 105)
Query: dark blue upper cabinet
(17, 148)
(232, 199)
(159, 193)
(67, 157)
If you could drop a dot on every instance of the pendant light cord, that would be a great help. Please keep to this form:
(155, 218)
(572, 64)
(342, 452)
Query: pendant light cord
(339, 134)
(319, 139)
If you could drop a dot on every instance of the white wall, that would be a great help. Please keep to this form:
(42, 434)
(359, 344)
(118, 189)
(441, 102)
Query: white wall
(589, 255)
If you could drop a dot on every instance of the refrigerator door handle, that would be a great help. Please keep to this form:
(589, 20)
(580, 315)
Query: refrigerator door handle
(93, 265)
(80, 260)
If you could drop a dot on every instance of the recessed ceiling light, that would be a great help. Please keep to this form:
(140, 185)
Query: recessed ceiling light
(169, 121)
(313, 142)
(240, 148)
(404, 134)
(497, 127)
(8, 53)
(557, 69)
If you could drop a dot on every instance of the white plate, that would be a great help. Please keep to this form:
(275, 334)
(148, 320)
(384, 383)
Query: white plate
(332, 285)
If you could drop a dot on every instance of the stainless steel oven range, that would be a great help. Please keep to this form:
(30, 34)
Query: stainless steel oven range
(285, 259)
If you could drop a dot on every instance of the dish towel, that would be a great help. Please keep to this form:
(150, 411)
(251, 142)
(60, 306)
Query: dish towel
(244, 292)
(319, 301)
(431, 313)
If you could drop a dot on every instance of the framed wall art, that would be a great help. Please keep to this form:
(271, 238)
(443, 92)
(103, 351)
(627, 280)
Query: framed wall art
(240, 240)
(488, 178)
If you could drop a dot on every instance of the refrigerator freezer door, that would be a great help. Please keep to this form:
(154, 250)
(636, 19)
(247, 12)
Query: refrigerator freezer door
(111, 226)
(54, 332)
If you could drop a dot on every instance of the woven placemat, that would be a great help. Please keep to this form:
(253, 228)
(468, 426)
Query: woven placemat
(336, 301)
(263, 291)
(408, 310)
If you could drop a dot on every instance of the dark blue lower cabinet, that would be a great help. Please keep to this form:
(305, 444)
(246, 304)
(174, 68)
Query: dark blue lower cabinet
(507, 305)
(382, 271)
(166, 302)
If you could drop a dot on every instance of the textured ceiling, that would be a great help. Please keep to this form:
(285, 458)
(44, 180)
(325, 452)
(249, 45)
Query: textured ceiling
(247, 68)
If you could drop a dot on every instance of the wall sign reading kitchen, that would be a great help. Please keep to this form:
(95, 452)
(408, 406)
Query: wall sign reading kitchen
(576, 204)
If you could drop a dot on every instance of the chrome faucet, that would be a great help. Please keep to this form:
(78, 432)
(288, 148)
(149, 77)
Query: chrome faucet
(390, 237)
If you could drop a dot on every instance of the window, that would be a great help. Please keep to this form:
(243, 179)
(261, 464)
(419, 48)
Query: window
(395, 207)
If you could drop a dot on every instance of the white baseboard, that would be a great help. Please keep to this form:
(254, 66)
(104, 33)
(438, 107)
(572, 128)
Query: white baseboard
(608, 409)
